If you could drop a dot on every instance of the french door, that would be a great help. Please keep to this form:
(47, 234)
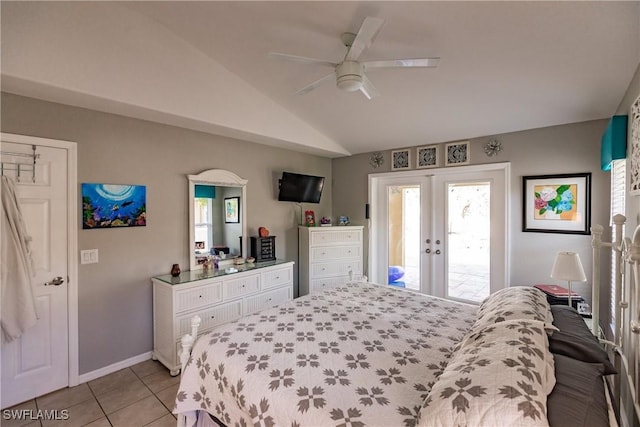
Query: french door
(443, 233)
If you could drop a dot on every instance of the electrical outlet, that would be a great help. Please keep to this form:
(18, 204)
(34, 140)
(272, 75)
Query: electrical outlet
(89, 256)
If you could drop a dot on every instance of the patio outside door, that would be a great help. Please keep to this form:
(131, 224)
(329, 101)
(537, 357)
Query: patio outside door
(442, 234)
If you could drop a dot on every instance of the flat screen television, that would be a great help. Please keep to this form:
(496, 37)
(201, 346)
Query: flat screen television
(295, 187)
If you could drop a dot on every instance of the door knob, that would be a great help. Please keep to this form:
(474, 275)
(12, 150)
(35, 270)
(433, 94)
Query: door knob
(428, 251)
(55, 282)
(438, 252)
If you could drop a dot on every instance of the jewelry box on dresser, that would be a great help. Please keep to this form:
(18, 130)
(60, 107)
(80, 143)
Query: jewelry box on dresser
(217, 297)
(327, 255)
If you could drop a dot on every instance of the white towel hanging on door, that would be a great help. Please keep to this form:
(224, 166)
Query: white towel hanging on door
(16, 267)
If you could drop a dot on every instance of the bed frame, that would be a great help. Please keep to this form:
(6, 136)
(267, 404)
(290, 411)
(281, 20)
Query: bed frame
(624, 345)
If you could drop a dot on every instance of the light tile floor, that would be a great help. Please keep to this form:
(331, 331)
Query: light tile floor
(142, 395)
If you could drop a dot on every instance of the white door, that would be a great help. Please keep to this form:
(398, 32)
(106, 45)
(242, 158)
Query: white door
(443, 233)
(468, 247)
(38, 361)
(405, 205)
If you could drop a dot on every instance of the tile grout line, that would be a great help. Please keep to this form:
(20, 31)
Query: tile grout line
(152, 393)
(99, 405)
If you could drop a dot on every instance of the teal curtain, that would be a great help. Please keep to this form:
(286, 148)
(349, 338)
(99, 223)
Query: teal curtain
(205, 191)
(614, 142)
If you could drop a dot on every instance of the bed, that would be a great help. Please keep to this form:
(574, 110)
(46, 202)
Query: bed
(367, 354)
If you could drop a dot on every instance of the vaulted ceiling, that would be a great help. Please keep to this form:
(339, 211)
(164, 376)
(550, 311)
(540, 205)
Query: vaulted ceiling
(204, 65)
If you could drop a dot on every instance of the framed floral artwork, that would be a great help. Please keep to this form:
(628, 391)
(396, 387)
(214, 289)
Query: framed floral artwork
(456, 153)
(427, 156)
(557, 203)
(400, 159)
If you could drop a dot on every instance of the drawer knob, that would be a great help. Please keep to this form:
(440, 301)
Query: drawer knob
(277, 277)
(213, 317)
(199, 296)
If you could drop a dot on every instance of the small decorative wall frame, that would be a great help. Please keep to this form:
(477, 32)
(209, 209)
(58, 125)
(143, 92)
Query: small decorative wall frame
(400, 160)
(634, 176)
(456, 153)
(427, 156)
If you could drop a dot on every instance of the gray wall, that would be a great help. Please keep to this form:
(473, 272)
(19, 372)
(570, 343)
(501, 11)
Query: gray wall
(115, 297)
(560, 149)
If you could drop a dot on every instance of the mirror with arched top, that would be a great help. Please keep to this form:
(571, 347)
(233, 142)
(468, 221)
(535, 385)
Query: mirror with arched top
(217, 215)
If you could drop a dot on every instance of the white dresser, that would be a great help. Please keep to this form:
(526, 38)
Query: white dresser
(327, 255)
(214, 296)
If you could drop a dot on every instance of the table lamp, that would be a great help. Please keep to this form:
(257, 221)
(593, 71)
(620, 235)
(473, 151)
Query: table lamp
(567, 266)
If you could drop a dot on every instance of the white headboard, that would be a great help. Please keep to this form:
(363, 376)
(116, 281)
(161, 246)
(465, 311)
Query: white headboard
(625, 342)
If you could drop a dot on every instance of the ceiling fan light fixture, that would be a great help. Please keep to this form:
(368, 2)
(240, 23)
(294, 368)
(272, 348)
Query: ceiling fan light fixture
(349, 76)
(350, 82)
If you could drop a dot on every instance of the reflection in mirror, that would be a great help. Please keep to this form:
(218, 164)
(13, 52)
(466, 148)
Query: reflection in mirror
(217, 225)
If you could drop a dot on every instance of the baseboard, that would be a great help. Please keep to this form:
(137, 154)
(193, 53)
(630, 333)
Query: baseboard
(90, 376)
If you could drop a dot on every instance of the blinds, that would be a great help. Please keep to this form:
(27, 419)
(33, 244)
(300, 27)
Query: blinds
(618, 186)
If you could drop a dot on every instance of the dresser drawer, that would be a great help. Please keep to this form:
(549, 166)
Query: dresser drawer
(274, 278)
(326, 253)
(241, 286)
(328, 269)
(267, 299)
(198, 296)
(210, 317)
(328, 283)
(336, 237)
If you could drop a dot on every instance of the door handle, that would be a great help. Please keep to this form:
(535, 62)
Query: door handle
(55, 282)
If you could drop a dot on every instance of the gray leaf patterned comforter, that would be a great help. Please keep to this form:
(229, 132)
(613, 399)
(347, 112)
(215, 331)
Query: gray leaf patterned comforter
(358, 355)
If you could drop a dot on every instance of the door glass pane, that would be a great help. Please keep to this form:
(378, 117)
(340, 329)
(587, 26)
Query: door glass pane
(469, 243)
(404, 236)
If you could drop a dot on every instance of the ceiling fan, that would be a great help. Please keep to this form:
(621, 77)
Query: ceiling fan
(350, 74)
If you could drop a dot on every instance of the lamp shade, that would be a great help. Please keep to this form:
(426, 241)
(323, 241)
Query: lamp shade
(567, 266)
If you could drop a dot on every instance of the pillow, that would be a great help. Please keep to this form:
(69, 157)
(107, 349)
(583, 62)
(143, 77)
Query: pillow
(578, 398)
(575, 340)
(518, 302)
(567, 319)
(580, 348)
(500, 376)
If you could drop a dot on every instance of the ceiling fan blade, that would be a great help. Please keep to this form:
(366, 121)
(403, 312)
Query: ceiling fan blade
(366, 34)
(308, 88)
(368, 89)
(396, 63)
(304, 59)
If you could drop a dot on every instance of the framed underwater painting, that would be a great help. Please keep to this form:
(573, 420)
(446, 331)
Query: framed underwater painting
(113, 205)
(557, 203)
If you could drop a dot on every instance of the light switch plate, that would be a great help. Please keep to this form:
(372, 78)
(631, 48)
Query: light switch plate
(89, 256)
